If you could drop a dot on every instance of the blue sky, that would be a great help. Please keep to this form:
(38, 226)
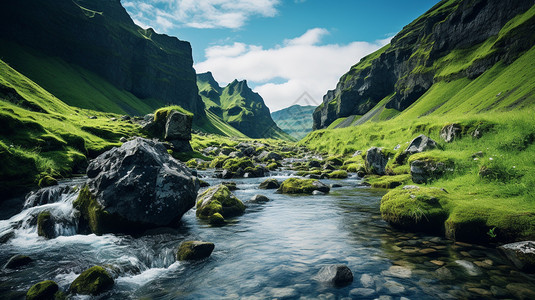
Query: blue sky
(285, 49)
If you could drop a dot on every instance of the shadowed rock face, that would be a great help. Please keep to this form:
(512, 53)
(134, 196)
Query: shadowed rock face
(100, 36)
(443, 28)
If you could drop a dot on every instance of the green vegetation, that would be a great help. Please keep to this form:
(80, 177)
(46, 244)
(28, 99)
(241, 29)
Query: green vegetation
(42, 290)
(217, 203)
(299, 186)
(92, 281)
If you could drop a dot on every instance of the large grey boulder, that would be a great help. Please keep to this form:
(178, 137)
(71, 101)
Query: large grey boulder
(521, 254)
(450, 132)
(178, 126)
(420, 144)
(424, 171)
(375, 161)
(140, 184)
(337, 275)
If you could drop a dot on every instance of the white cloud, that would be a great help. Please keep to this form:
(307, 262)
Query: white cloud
(302, 63)
(166, 14)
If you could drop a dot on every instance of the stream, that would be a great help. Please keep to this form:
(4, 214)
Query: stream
(274, 250)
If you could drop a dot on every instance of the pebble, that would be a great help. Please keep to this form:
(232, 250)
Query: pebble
(444, 274)
(463, 244)
(396, 248)
(410, 250)
(464, 253)
(480, 291)
(498, 292)
(427, 251)
(398, 271)
(362, 292)
(283, 292)
(469, 267)
(438, 263)
(367, 281)
(394, 287)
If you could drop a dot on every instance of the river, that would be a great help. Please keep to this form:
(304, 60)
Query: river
(274, 250)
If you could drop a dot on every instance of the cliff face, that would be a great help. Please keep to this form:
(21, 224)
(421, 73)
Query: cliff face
(239, 106)
(100, 36)
(412, 62)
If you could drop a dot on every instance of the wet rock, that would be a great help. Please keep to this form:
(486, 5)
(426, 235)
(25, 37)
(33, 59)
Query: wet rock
(136, 187)
(335, 185)
(45, 195)
(178, 126)
(282, 293)
(375, 161)
(45, 225)
(318, 193)
(469, 267)
(521, 291)
(438, 262)
(5, 236)
(498, 292)
(521, 254)
(269, 156)
(17, 261)
(123, 139)
(337, 275)
(450, 132)
(217, 202)
(203, 183)
(270, 183)
(47, 181)
(480, 292)
(314, 164)
(420, 144)
(194, 250)
(398, 271)
(259, 199)
(361, 292)
(92, 281)
(367, 281)
(302, 186)
(42, 290)
(393, 287)
(444, 274)
(231, 185)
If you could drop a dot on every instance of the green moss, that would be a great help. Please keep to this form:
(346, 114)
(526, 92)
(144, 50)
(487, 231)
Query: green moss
(92, 281)
(273, 166)
(194, 250)
(233, 164)
(297, 186)
(47, 180)
(420, 209)
(388, 182)
(92, 211)
(338, 174)
(45, 223)
(218, 161)
(192, 163)
(218, 200)
(42, 290)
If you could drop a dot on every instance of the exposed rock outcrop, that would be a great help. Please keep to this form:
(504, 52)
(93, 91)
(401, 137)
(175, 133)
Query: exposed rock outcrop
(522, 254)
(376, 161)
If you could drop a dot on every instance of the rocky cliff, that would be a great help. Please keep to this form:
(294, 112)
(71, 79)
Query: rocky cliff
(100, 36)
(239, 106)
(420, 55)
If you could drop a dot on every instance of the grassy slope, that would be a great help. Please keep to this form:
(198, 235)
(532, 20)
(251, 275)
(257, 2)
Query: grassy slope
(41, 135)
(73, 84)
(502, 99)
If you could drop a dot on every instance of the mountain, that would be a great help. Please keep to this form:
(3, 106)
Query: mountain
(90, 54)
(295, 120)
(456, 58)
(239, 106)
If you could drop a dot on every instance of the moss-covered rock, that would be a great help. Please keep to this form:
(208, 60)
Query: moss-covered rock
(17, 261)
(270, 183)
(302, 186)
(218, 200)
(43, 290)
(426, 167)
(218, 162)
(194, 250)
(273, 166)
(92, 281)
(338, 174)
(45, 225)
(418, 209)
(388, 182)
(334, 160)
(192, 163)
(47, 180)
(231, 185)
(92, 213)
(234, 164)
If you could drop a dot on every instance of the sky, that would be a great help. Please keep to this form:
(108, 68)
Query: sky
(289, 51)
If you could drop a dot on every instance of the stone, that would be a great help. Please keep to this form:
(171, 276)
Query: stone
(450, 132)
(45, 195)
(43, 290)
(393, 287)
(361, 292)
(178, 126)
(367, 281)
(420, 144)
(480, 291)
(231, 185)
(194, 250)
(135, 187)
(270, 183)
(47, 181)
(337, 275)
(181, 146)
(123, 139)
(427, 251)
(375, 162)
(93, 281)
(259, 199)
(397, 271)
(335, 185)
(438, 262)
(469, 267)
(269, 156)
(444, 273)
(218, 200)
(424, 171)
(302, 186)
(521, 291)
(521, 254)
(45, 225)
(411, 187)
(17, 261)
(318, 193)
(314, 164)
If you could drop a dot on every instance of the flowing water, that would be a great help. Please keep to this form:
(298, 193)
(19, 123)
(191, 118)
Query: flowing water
(274, 250)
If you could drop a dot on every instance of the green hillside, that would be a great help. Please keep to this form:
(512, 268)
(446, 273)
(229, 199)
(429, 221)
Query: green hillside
(295, 120)
(42, 136)
(486, 90)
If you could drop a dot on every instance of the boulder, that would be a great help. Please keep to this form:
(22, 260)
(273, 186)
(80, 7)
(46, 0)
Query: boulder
(337, 275)
(338, 174)
(259, 199)
(521, 254)
(218, 201)
(47, 180)
(270, 183)
(135, 187)
(231, 185)
(17, 261)
(302, 186)
(420, 144)
(267, 156)
(45, 225)
(314, 164)
(194, 250)
(424, 171)
(92, 281)
(450, 132)
(178, 126)
(42, 290)
(376, 160)
(45, 195)
(181, 146)
(248, 151)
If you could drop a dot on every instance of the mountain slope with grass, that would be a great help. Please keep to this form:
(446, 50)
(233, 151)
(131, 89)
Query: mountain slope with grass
(295, 120)
(462, 74)
(240, 107)
(92, 55)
